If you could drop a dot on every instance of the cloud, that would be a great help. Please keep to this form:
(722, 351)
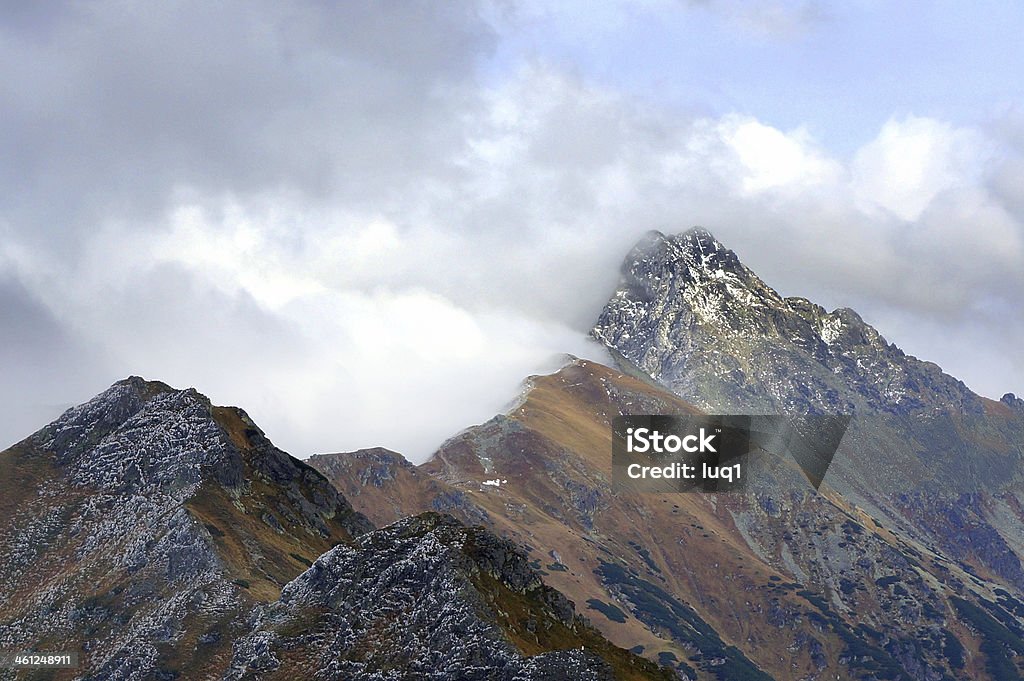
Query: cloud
(46, 367)
(117, 109)
(770, 19)
(912, 161)
(319, 369)
(769, 158)
(339, 218)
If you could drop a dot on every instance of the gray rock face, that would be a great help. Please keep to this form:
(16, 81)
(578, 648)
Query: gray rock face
(691, 316)
(127, 461)
(418, 599)
(104, 550)
(148, 529)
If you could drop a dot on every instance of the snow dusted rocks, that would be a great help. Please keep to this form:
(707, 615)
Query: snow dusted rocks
(688, 313)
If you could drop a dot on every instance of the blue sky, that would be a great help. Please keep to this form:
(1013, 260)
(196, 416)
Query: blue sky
(330, 213)
(840, 69)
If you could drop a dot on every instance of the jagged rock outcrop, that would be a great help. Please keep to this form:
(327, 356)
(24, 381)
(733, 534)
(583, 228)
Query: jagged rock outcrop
(922, 452)
(427, 598)
(145, 528)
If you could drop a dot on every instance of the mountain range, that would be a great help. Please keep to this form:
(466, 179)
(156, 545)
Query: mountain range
(164, 537)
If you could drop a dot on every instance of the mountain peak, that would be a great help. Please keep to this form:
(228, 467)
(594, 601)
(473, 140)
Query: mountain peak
(695, 251)
(145, 438)
(186, 504)
(700, 239)
(144, 386)
(696, 275)
(692, 316)
(83, 427)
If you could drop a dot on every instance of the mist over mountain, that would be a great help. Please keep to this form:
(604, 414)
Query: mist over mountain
(442, 253)
(162, 536)
(905, 564)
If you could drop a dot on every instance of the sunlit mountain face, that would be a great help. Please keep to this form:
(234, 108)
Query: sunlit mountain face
(903, 564)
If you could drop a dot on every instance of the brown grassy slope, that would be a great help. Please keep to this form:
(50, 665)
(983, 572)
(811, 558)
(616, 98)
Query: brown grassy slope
(744, 562)
(380, 483)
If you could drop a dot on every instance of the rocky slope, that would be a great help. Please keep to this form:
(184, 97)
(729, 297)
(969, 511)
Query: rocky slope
(923, 452)
(428, 598)
(138, 526)
(904, 565)
(147, 526)
(780, 582)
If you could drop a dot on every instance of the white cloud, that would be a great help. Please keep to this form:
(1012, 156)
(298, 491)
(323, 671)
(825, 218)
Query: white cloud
(772, 159)
(912, 161)
(379, 256)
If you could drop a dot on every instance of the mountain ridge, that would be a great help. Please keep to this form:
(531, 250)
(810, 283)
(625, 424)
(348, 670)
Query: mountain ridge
(695, 284)
(923, 451)
(748, 573)
(897, 568)
(169, 537)
(160, 536)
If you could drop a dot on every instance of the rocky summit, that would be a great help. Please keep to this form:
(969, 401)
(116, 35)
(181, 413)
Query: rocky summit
(688, 313)
(904, 564)
(923, 452)
(163, 537)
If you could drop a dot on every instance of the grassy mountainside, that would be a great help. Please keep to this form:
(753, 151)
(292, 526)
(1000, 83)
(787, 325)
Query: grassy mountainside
(778, 582)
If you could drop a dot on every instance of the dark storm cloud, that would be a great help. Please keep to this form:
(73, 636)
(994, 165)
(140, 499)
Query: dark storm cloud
(109, 109)
(44, 367)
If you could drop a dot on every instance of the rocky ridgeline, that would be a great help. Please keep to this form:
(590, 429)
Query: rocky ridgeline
(690, 314)
(922, 451)
(145, 528)
(411, 597)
